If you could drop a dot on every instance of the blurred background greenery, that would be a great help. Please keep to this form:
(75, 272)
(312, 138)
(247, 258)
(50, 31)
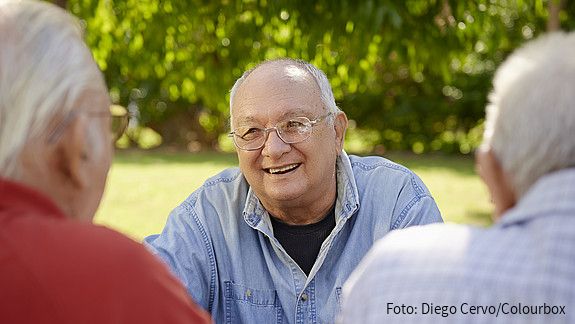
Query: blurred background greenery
(413, 77)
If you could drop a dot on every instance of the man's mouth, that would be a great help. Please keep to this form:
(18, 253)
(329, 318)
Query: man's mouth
(284, 169)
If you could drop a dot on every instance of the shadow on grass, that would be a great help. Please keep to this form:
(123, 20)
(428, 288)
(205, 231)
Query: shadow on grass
(146, 157)
(479, 218)
(463, 165)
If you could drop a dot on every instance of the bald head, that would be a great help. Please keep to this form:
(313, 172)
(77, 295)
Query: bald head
(290, 70)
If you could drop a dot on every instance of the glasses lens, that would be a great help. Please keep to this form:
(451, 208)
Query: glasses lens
(249, 138)
(120, 118)
(295, 130)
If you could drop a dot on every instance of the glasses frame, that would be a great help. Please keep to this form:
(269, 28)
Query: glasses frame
(275, 128)
(116, 134)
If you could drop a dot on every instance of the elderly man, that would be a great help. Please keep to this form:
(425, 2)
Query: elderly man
(55, 151)
(522, 270)
(273, 241)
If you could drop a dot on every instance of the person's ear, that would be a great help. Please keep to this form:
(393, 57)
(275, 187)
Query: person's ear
(72, 156)
(492, 173)
(340, 126)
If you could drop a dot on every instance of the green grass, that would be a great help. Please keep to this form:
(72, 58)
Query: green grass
(458, 191)
(143, 187)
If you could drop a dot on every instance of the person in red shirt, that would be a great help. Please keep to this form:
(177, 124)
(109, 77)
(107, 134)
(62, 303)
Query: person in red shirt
(55, 152)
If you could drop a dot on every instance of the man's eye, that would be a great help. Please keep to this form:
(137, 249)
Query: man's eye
(294, 126)
(250, 133)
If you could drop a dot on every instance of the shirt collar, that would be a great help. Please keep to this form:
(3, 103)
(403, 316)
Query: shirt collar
(18, 197)
(347, 194)
(346, 204)
(551, 194)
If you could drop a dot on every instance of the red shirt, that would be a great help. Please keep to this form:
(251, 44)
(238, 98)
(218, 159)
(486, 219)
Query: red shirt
(57, 270)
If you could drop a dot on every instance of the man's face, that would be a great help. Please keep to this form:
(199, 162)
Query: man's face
(286, 175)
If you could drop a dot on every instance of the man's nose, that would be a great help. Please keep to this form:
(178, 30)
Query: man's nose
(274, 146)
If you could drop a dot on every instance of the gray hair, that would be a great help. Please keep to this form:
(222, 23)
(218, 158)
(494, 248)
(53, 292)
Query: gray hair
(320, 78)
(44, 69)
(530, 123)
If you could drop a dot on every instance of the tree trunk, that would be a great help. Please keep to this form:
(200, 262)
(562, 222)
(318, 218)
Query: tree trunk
(555, 6)
(60, 3)
(183, 130)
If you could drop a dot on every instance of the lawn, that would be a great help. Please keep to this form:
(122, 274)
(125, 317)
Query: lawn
(143, 187)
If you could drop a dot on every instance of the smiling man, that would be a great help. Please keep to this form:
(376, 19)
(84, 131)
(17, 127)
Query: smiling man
(274, 241)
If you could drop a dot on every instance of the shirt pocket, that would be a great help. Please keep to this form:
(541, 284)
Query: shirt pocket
(249, 305)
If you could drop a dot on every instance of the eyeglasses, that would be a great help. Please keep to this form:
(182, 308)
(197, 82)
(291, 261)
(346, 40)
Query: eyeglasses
(120, 120)
(118, 114)
(291, 131)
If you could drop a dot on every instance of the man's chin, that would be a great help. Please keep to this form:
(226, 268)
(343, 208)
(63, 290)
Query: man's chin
(283, 196)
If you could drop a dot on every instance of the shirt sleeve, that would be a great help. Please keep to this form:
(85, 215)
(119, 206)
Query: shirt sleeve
(91, 274)
(159, 296)
(185, 247)
(415, 206)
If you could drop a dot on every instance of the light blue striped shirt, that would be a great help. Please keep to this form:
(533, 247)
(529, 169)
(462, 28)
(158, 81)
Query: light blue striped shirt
(522, 270)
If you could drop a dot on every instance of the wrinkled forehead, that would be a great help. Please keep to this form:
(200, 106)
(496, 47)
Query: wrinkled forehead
(278, 89)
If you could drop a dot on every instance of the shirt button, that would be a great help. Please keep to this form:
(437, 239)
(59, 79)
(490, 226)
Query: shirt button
(304, 297)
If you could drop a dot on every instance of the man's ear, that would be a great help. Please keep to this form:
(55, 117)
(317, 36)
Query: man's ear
(340, 125)
(72, 154)
(497, 180)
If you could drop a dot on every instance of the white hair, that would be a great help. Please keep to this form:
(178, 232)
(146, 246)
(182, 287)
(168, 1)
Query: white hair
(530, 123)
(44, 69)
(320, 78)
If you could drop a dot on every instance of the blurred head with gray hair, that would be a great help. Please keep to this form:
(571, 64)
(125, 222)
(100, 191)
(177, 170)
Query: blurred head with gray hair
(54, 107)
(530, 122)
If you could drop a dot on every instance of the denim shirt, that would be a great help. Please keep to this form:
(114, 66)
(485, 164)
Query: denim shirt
(220, 243)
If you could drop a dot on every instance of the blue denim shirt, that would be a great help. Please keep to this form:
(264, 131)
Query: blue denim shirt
(220, 243)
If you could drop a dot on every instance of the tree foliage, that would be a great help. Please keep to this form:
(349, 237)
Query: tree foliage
(415, 74)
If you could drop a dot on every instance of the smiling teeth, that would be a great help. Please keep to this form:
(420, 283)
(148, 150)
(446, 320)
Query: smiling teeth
(286, 168)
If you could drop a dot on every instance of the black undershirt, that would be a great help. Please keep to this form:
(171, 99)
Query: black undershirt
(302, 242)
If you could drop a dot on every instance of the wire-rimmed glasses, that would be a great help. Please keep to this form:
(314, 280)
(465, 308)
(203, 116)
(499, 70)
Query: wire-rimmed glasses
(291, 131)
(119, 121)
